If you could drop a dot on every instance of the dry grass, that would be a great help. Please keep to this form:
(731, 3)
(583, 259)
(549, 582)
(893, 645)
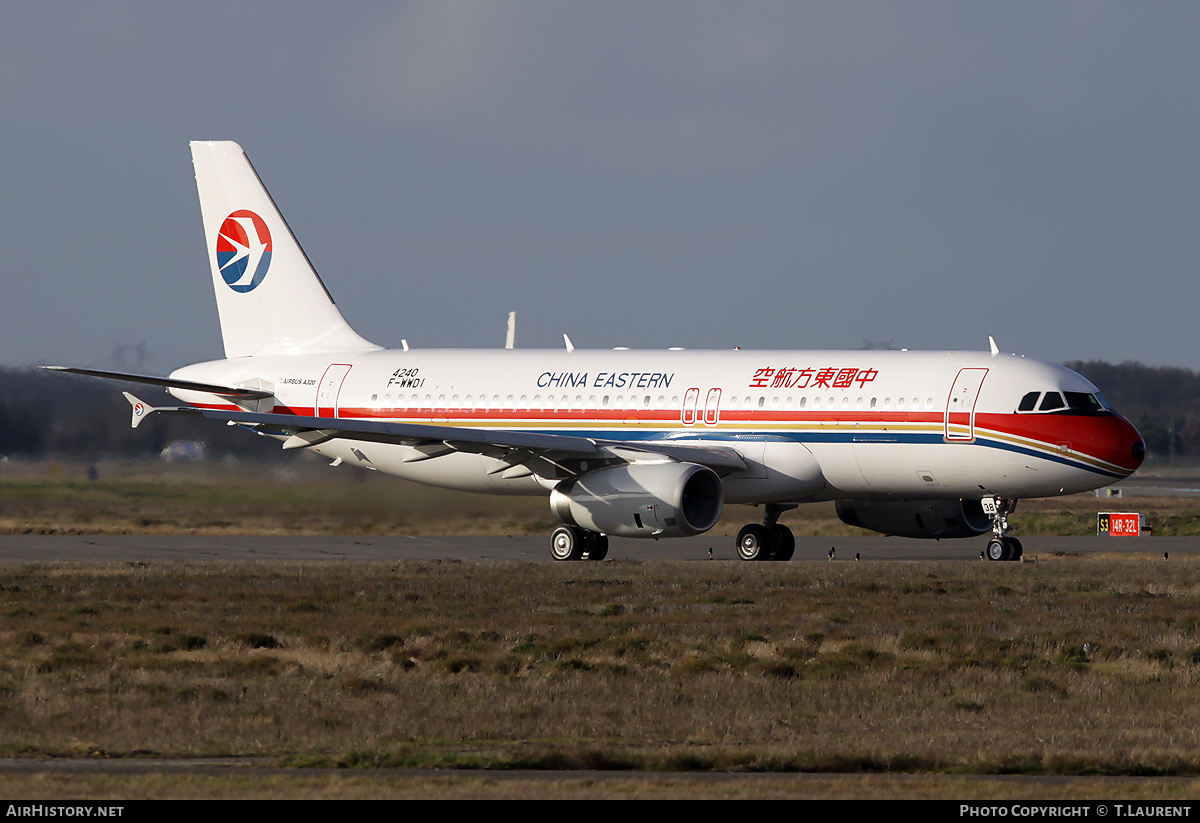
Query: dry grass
(344, 784)
(898, 670)
(309, 497)
(1065, 668)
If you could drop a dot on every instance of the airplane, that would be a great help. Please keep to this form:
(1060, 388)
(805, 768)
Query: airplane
(644, 444)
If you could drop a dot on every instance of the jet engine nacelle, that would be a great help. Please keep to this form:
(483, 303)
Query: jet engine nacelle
(917, 518)
(666, 499)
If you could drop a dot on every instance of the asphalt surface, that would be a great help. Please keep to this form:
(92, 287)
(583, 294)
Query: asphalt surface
(535, 548)
(133, 548)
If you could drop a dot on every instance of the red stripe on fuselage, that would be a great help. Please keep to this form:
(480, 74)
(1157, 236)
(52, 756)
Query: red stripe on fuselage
(1109, 438)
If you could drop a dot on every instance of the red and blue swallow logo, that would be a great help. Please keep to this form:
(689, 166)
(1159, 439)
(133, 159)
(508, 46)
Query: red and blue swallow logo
(243, 250)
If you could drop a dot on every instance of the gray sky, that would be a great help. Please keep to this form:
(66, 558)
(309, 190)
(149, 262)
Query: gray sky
(645, 174)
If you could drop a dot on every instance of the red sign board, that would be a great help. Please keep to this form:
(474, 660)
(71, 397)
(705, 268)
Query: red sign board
(1119, 524)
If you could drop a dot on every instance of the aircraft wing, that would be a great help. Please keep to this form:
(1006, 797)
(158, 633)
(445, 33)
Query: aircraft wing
(168, 383)
(520, 452)
(407, 434)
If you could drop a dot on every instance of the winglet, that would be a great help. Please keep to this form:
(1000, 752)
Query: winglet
(142, 410)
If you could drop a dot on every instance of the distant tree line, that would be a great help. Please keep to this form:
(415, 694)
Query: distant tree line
(43, 414)
(1162, 401)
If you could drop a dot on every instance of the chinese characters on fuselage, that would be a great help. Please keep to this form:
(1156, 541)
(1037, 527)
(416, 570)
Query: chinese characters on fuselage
(797, 378)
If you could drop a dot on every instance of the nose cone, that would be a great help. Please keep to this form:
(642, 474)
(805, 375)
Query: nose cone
(1125, 444)
(1138, 450)
(1110, 441)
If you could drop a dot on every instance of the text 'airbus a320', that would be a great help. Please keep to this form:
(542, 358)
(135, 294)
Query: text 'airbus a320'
(637, 443)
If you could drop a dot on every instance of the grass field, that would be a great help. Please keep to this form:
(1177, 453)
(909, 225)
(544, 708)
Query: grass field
(1060, 668)
(908, 670)
(1067, 668)
(309, 497)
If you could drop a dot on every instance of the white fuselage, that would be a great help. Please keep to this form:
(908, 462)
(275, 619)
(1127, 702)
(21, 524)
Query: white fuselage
(811, 425)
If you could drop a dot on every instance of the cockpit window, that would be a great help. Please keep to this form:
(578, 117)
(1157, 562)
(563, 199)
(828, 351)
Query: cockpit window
(1067, 402)
(1053, 400)
(1082, 401)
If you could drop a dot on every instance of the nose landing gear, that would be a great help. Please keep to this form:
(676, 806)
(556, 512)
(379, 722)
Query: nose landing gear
(1001, 546)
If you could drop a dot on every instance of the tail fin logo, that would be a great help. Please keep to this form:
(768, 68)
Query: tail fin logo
(243, 250)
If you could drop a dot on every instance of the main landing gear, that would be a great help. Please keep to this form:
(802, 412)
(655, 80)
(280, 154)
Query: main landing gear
(574, 543)
(1001, 546)
(770, 541)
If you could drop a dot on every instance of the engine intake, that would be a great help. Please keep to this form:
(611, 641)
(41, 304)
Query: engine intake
(916, 518)
(642, 500)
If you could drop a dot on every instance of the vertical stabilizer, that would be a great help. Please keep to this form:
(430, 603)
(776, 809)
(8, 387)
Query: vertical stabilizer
(269, 297)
